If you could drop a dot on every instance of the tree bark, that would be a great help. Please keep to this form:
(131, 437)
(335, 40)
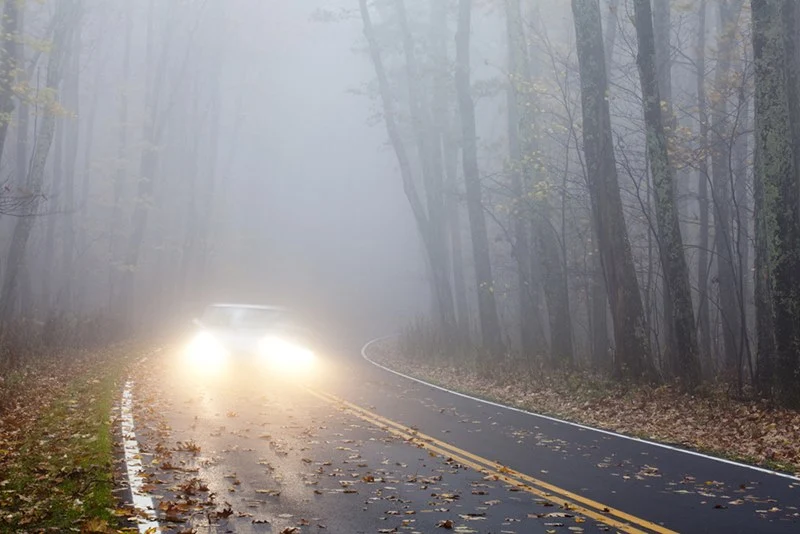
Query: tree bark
(445, 140)
(721, 185)
(684, 362)
(430, 155)
(632, 360)
(431, 231)
(518, 80)
(661, 24)
(121, 172)
(777, 201)
(54, 205)
(703, 317)
(72, 133)
(152, 130)
(24, 294)
(66, 19)
(611, 32)
(487, 305)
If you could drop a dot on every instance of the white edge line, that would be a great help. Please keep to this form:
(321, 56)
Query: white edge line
(570, 423)
(142, 501)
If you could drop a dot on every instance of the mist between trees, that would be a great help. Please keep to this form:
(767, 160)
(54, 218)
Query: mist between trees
(602, 183)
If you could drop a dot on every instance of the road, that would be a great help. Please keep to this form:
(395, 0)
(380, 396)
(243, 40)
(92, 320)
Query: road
(358, 449)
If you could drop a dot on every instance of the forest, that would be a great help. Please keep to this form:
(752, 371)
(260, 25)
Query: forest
(549, 247)
(637, 214)
(597, 184)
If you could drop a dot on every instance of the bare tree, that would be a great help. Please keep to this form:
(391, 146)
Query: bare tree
(684, 361)
(430, 156)
(632, 358)
(487, 305)
(66, 19)
(721, 179)
(703, 316)
(429, 220)
(777, 200)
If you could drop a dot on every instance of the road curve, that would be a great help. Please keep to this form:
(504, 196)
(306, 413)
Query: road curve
(359, 449)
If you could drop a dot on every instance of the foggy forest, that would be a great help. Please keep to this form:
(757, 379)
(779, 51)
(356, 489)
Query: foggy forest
(520, 190)
(610, 215)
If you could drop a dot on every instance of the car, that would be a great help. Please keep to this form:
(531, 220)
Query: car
(240, 335)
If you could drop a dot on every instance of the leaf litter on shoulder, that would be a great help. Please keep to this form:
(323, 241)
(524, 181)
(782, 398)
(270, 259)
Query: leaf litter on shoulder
(747, 430)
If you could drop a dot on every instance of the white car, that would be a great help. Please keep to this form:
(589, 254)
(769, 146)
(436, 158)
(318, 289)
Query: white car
(228, 335)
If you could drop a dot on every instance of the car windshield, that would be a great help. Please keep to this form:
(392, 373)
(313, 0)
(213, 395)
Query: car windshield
(243, 317)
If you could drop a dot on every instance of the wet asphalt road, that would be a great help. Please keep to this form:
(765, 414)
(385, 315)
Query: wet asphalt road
(357, 449)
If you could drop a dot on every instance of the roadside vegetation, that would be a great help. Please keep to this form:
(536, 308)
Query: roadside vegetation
(638, 213)
(714, 419)
(57, 438)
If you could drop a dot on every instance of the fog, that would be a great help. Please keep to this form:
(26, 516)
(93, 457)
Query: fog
(549, 182)
(315, 183)
(305, 209)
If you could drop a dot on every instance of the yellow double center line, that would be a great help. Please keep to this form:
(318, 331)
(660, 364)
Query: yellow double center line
(573, 502)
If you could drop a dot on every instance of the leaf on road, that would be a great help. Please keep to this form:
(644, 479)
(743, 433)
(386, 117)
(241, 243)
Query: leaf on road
(269, 492)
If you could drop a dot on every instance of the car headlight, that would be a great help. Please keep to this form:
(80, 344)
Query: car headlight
(285, 354)
(205, 352)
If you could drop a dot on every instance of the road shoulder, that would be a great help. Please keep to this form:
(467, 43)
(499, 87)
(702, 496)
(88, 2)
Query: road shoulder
(747, 433)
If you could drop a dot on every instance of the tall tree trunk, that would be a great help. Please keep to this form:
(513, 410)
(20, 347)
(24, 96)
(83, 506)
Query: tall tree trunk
(456, 241)
(152, 131)
(777, 201)
(72, 133)
(721, 185)
(82, 291)
(556, 289)
(120, 175)
(611, 32)
(599, 293)
(445, 144)
(433, 245)
(742, 235)
(55, 205)
(25, 297)
(430, 156)
(661, 23)
(535, 226)
(632, 360)
(66, 19)
(518, 78)
(703, 317)
(684, 362)
(487, 305)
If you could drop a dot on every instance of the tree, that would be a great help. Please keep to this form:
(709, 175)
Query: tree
(518, 79)
(446, 138)
(430, 156)
(428, 217)
(721, 186)
(66, 20)
(777, 209)
(121, 171)
(684, 360)
(531, 220)
(632, 359)
(703, 316)
(487, 305)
